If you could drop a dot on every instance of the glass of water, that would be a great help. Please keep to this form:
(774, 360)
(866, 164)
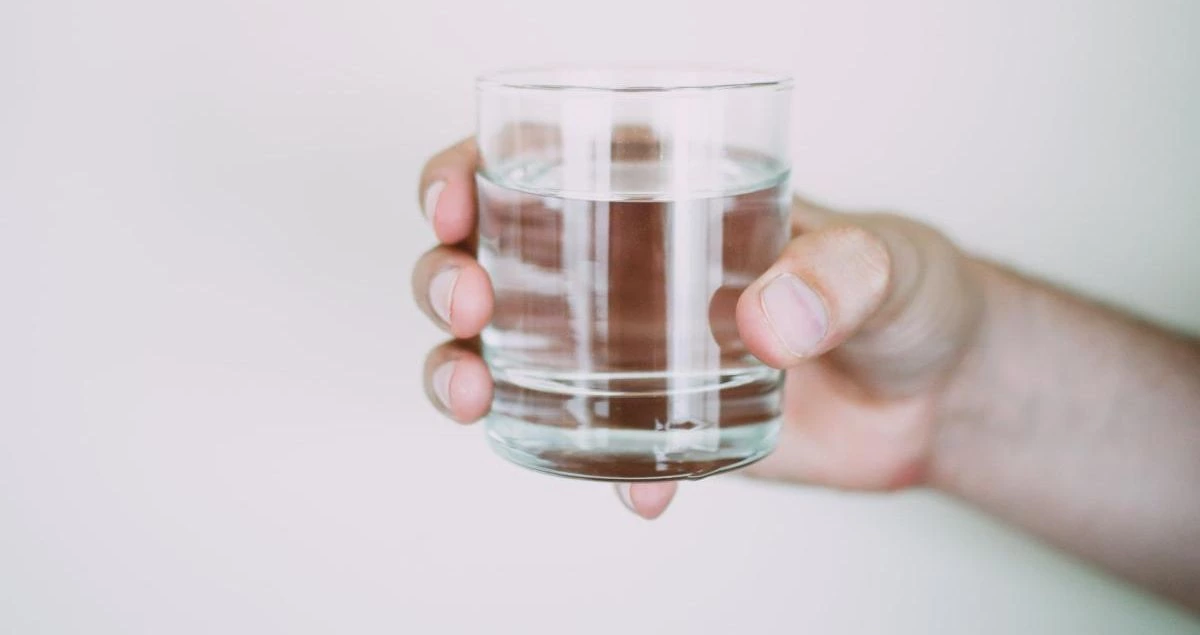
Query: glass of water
(622, 213)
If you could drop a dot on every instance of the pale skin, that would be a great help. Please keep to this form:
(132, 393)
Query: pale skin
(919, 366)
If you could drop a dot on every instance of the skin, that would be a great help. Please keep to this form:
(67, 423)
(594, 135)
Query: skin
(919, 366)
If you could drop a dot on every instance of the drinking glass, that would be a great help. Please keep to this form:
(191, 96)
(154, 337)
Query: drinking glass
(622, 213)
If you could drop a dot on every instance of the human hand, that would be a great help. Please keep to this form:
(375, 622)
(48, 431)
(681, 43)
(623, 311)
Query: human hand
(868, 313)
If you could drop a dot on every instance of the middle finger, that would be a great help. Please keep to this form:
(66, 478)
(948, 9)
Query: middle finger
(453, 290)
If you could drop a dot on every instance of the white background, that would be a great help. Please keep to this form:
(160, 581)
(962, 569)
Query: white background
(212, 419)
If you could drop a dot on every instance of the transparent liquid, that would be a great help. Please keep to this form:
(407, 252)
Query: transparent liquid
(613, 343)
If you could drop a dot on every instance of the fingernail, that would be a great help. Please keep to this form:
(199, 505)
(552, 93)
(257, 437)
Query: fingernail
(796, 313)
(441, 292)
(623, 493)
(430, 200)
(441, 383)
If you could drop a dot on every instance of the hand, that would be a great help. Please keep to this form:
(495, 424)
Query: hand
(868, 313)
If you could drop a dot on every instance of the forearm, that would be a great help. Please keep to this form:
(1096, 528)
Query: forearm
(1082, 426)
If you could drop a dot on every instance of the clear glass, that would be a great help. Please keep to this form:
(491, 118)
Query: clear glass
(622, 213)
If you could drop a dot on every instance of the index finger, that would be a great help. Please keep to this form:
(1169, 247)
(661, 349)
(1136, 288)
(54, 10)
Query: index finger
(447, 187)
(447, 191)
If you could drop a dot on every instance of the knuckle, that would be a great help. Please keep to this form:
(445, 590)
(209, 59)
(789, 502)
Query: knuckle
(865, 251)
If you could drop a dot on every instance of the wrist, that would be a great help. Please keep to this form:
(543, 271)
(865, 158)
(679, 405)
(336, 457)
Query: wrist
(965, 407)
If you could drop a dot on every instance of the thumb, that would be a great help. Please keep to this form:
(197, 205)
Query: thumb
(825, 285)
(896, 298)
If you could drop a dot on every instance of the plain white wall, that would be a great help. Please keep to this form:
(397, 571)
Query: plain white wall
(212, 419)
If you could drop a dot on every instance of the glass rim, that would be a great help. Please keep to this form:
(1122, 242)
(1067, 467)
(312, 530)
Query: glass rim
(690, 79)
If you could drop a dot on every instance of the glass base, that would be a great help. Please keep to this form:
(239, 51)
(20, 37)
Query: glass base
(607, 454)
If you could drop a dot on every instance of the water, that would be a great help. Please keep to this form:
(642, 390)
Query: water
(613, 343)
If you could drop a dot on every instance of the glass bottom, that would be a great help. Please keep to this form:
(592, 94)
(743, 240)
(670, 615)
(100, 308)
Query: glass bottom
(607, 454)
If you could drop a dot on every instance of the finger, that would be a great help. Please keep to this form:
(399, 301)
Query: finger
(820, 291)
(453, 290)
(447, 191)
(458, 382)
(648, 500)
(932, 308)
